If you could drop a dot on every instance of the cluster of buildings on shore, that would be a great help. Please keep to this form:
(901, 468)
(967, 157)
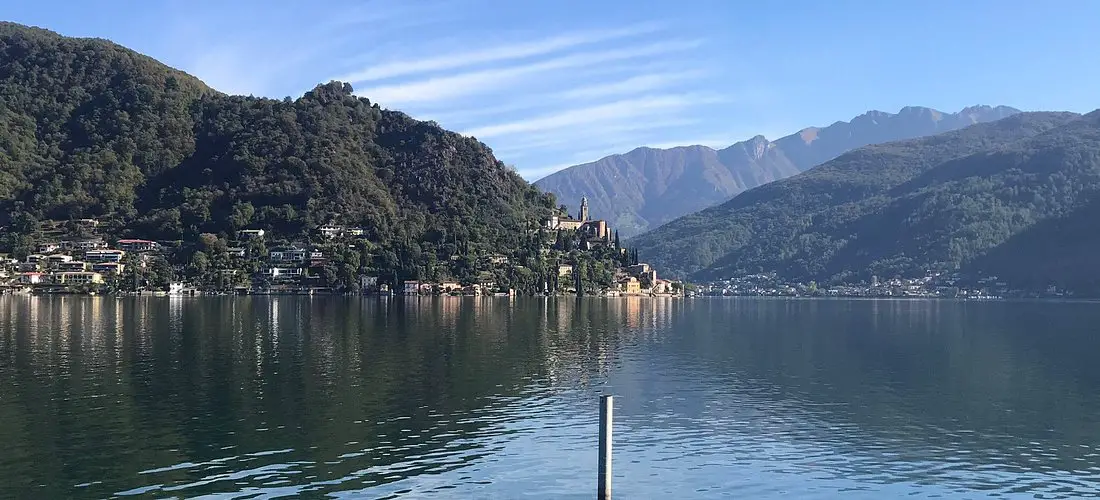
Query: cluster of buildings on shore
(71, 263)
(932, 285)
(62, 263)
(638, 280)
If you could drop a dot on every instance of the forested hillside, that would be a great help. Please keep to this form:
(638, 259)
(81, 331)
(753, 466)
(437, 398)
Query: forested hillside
(91, 129)
(1011, 197)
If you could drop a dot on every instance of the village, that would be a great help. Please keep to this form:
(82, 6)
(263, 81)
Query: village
(82, 257)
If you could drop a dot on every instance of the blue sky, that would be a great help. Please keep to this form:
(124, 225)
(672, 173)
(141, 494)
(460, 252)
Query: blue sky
(550, 83)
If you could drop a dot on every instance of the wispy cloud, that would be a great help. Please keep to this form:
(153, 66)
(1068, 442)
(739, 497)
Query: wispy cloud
(624, 109)
(492, 54)
(568, 141)
(632, 85)
(540, 97)
(477, 82)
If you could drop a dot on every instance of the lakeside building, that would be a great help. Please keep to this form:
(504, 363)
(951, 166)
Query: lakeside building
(76, 278)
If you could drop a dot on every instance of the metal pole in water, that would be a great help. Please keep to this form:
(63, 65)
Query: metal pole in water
(604, 492)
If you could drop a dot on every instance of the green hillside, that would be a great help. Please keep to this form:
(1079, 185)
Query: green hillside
(985, 199)
(91, 129)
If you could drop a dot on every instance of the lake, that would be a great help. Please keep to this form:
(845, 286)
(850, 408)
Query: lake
(260, 397)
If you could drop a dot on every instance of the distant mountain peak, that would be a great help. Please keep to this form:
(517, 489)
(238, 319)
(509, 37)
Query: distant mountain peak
(647, 186)
(759, 145)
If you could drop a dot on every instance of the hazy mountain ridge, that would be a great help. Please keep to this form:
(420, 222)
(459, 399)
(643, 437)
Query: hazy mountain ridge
(1013, 198)
(647, 187)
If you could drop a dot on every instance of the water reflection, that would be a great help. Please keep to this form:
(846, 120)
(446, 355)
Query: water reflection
(475, 397)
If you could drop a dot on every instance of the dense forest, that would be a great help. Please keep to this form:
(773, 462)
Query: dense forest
(91, 129)
(989, 199)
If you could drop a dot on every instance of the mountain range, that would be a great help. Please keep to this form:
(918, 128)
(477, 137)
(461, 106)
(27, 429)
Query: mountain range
(1016, 198)
(647, 187)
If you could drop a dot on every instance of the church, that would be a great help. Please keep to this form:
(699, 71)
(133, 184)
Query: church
(591, 229)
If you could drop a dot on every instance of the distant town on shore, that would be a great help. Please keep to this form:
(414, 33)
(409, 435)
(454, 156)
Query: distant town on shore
(83, 256)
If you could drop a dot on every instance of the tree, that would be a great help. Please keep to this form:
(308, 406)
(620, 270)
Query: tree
(200, 265)
(578, 277)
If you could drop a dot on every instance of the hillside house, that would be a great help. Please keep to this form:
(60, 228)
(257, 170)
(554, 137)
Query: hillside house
(333, 231)
(83, 245)
(87, 223)
(565, 270)
(35, 258)
(104, 255)
(108, 268)
(138, 246)
(57, 259)
(239, 252)
(291, 255)
(72, 266)
(249, 234)
(49, 247)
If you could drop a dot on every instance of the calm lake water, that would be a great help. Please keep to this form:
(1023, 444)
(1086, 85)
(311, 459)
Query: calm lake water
(258, 397)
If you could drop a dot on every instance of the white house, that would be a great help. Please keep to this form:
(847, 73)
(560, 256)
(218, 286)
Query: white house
(283, 272)
(48, 247)
(31, 278)
(104, 255)
(295, 255)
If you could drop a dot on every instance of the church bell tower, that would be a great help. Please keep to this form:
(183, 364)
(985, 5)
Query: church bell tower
(584, 209)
